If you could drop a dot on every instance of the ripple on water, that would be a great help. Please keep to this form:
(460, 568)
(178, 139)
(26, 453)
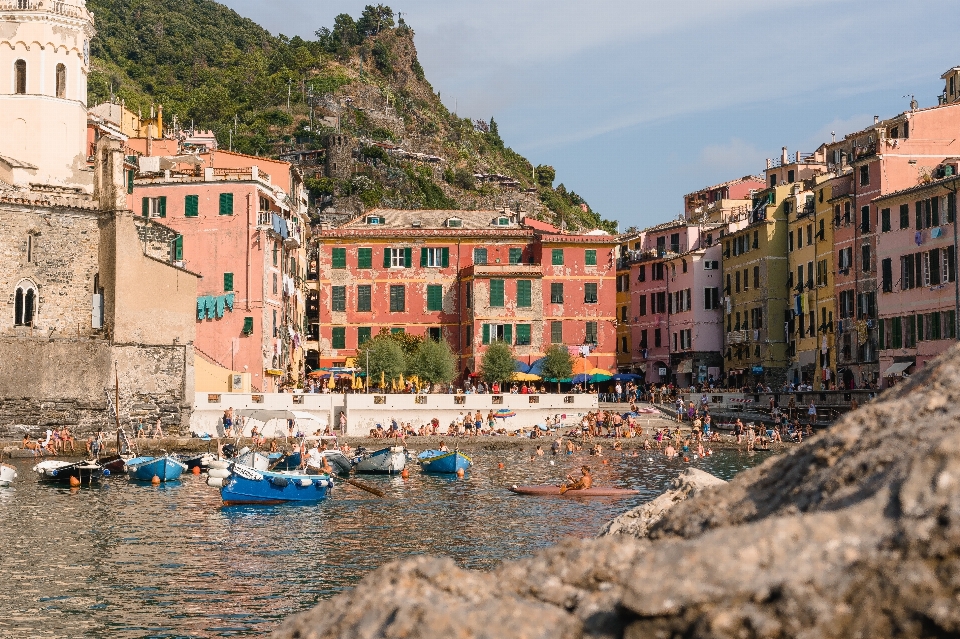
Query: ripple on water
(133, 560)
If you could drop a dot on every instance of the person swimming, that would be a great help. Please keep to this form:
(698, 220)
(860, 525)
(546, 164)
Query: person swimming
(581, 483)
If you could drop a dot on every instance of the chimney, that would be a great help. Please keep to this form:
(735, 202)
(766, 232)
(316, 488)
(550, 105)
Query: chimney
(783, 155)
(109, 187)
(876, 119)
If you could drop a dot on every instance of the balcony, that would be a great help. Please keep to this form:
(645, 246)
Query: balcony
(737, 337)
(504, 270)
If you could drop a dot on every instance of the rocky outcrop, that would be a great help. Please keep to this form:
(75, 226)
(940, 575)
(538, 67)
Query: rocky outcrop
(856, 533)
(637, 522)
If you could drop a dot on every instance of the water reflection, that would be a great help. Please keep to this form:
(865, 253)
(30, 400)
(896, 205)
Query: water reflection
(135, 560)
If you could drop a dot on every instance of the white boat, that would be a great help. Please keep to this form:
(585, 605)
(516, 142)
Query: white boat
(389, 460)
(252, 459)
(340, 463)
(7, 475)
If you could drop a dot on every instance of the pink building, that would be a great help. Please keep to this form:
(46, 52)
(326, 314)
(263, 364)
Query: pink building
(916, 253)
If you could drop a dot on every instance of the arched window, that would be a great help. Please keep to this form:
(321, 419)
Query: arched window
(25, 305)
(61, 81)
(20, 73)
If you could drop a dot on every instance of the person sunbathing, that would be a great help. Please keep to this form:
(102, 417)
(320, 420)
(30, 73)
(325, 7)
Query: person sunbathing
(581, 483)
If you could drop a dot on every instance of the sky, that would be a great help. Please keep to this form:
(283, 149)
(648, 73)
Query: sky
(636, 103)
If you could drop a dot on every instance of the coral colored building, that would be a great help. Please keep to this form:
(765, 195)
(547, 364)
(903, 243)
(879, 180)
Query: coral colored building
(468, 277)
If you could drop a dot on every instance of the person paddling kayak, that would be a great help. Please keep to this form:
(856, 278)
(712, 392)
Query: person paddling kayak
(581, 483)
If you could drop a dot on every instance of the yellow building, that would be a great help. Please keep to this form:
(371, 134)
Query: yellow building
(755, 275)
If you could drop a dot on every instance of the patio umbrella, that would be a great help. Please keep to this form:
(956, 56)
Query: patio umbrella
(524, 377)
(580, 378)
(520, 367)
(383, 383)
(581, 365)
(625, 377)
(332, 383)
(598, 371)
(537, 367)
(598, 378)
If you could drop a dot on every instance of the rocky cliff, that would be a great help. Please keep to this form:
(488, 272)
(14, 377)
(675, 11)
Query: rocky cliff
(856, 533)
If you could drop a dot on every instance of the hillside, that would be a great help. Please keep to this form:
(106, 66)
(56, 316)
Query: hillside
(213, 69)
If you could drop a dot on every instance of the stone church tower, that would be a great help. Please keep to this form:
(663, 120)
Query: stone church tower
(44, 61)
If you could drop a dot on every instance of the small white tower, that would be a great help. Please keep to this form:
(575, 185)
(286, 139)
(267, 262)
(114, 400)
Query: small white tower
(44, 61)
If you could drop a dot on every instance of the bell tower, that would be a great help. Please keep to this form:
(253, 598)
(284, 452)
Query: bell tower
(44, 61)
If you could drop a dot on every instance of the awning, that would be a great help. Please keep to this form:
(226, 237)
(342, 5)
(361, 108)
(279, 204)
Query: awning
(898, 369)
(686, 366)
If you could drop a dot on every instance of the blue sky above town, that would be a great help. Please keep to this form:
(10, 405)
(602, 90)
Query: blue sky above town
(636, 103)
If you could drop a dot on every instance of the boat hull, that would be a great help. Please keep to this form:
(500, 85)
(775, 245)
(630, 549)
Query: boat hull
(249, 486)
(253, 459)
(201, 461)
(116, 464)
(554, 491)
(166, 468)
(388, 461)
(444, 463)
(7, 475)
(57, 472)
(287, 462)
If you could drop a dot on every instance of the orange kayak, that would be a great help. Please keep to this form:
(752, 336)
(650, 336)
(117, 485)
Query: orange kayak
(595, 491)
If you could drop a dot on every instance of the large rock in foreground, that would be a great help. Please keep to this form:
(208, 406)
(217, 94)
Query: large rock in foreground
(636, 522)
(856, 533)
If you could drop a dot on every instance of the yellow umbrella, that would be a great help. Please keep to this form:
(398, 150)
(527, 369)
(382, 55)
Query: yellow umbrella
(383, 382)
(401, 385)
(525, 377)
(332, 383)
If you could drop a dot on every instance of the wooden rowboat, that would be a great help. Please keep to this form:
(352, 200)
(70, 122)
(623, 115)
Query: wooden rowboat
(554, 491)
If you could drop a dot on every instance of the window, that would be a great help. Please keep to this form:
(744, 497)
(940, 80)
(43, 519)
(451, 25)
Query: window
(642, 273)
(557, 257)
(809, 234)
(276, 251)
(364, 258)
(61, 81)
(397, 257)
(590, 293)
(274, 323)
(822, 273)
(228, 282)
(556, 293)
(154, 206)
(524, 297)
(363, 335)
(20, 71)
(711, 298)
(496, 293)
(884, 220)
(454, 222)
(657, 338)
(864, 175)
(24, 306)
(191, 206)
(480, 256)
(338, 298)
(591, 333)
(790, 241)
(339, 258)
(435, 333)
(886, 267)
(226, 204)
(497, 333)
(556, 332)
(756, 277)
(434, 297)
(642, 303)
(865, 257)
(468, 290)
(248, 326)
(176, 249)
(435, 257)
(756, 317)
(951, 207)
(374, 219)
(904, 216)
(339, 339)
(363, 298)
(397, 331)
(590, 257)
(864, 219)
(274, 283)
(398, 300)
(675, 242)
(737, 282)
(470, 336)
(523, 334)
(791, 175)
(516, 255)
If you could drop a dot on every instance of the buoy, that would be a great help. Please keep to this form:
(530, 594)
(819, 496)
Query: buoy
(155, 481)
(404, 473)
(686, 459)
(74, 481)
(460, 473)
(196, 470)
(500, 465)
(604, 461)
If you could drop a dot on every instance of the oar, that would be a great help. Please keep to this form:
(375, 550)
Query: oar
(365, 486)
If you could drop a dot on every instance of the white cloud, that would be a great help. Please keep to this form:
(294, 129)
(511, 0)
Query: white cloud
(736, 156)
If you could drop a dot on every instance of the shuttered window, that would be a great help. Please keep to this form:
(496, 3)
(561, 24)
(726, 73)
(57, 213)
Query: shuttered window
(247, 325)
(176, 249)
(398, 298)
(557, 257)
(226, 204)
(363, 298)
(556, 332)
(516, 255)
(338, 298)
(363, 335)
(339, 258)
(486, 334)
(524, 298)
(364, 258)
(434, 297)
(523, 334)
(228, 282)
(590, 257)
(591, 336)
(339, 337)
(480, 256)
(191, 206)
(556, 293)
(496, 293)
(590, 293)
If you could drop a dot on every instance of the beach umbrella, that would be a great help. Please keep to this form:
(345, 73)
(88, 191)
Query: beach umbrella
(626, 377)
(536, 368)
(383, 383)
(520, 367)
(332, 383)
(599, 371)
(503, 413)
(524, 377)
(596, 379)
(581, 365)
(580, 378)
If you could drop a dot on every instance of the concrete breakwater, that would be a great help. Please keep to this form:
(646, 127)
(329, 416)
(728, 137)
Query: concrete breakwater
(856, 532)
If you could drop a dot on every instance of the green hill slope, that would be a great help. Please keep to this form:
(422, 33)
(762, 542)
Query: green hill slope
(212, 68)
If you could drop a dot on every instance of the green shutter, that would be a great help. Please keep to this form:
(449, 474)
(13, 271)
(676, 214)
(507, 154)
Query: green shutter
(508, 334)
(496, 293)
(130, 175)
(882, 333)
(486, 333)
(339, 337)
(434, 297)
(523, 334)
(919, 211)
(339, 258)
(423, 257)
(145, 204)
(386, 257)
(364, 258)
(191, 206)
(338, 298)
(228, 282)
(363, 335)
(557, 257)
(556, 332)
(176, 249)
(516, 254)
(590, 257)
(226, 204)
(363, 298)
(247, 325)
(523, 294)
(407, 257)
(445, 257)
(162, 205)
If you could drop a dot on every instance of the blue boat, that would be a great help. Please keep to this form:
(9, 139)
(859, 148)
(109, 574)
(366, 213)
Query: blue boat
(439, 462)
(167, 468)
(244, 485)
(289, 461)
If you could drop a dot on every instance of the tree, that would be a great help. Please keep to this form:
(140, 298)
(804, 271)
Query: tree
(381, 355)
(497, 363)
(344, 33)
(374, 19)
(494, 134)
(557, 363)
(546, 175)
(433, 362)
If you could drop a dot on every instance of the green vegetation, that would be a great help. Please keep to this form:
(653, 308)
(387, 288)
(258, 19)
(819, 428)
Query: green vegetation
(211, 68)
(384, 356)
(557, 363)
(497, 363)
(433, 362)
